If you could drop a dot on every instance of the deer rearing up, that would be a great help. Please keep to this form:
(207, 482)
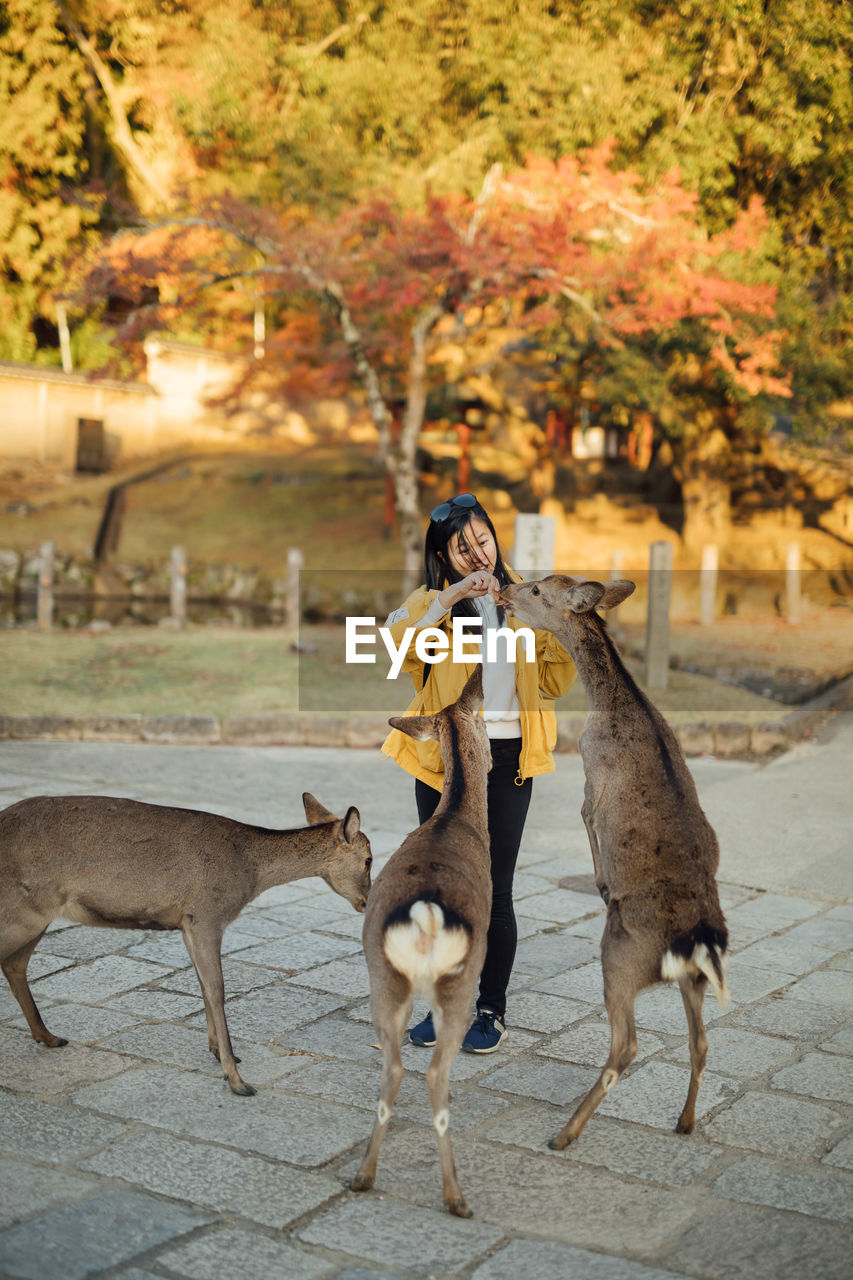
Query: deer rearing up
(654, 851)
(426, 923)
(128, 865)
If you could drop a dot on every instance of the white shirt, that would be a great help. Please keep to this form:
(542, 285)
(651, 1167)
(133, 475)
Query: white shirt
(501, 710)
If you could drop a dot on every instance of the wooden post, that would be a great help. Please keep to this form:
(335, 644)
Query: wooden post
(708, 585)
(292, 606)
(617, 566)
(178, 592)
(657, 620)
(390, 495)
(793, 597)
(44, 607)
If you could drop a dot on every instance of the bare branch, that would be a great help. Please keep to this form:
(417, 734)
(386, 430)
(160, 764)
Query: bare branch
(122, 133)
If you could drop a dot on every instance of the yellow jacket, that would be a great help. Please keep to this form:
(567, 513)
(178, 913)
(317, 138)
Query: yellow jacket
(537, 683)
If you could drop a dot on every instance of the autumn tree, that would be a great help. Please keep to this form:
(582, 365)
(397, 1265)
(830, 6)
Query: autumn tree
(41, 160)
(318, 103)
(575, 246)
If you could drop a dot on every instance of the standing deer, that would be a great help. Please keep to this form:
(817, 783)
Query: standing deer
(426, 923)
(123, 864)
(654, 851)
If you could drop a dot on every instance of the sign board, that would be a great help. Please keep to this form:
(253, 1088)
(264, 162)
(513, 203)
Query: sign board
(533, 553)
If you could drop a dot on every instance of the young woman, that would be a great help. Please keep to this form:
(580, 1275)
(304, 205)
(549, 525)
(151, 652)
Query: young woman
(464, 572)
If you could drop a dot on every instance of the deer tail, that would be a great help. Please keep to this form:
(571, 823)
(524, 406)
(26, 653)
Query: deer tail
(701, 951)
(425, 940)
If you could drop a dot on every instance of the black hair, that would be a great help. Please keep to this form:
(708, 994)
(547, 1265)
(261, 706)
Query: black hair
(438, 570)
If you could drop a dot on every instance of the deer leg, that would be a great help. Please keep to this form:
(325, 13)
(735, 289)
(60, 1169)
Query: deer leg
(451, 1025)
(390, 1028)
(203, 946)
(208, 1014)
(623, 1049)
(15, 968)
(621, 984)
(693, 995)
(600, 883)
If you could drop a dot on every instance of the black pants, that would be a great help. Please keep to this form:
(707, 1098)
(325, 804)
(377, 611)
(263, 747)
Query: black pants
(507, 808)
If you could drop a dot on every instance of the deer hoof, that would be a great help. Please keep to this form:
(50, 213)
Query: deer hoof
(361, 1182)
(684, 1126)
(459, 1208)
(242, 1089)
(53, 1042)
(561, 1141)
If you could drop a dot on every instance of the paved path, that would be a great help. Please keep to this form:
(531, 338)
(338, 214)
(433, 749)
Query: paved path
(125, 1154)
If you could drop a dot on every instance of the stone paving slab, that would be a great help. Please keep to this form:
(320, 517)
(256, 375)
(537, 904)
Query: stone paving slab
(541, 1258)
(591, 1207)
(737, 1241)
(359, 1087)
(99, 1232)
(786, 1186)
(132, 1124)
(420, 1241)
(818, 1076)
(243, 1254)
(55, 1134)
(650, 1155)
(745, 1054)
(655, 1092)
(226, 1182)
(33, 1069)
(109, 975)
(29, 1189)
(776, 1124)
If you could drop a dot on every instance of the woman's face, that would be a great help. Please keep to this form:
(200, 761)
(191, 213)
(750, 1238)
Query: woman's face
(473, 547)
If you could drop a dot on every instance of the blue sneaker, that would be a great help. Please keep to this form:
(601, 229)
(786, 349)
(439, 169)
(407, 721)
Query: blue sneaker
(424, 1033)
(485, 1033)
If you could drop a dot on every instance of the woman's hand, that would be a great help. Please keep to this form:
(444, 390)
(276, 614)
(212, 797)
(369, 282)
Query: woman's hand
(479, 583)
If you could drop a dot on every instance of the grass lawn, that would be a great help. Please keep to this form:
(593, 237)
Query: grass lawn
(249, 509)
(225, 671)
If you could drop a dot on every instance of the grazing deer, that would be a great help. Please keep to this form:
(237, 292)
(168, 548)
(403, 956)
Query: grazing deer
(123, 864)
(654, 851)
(426, 923)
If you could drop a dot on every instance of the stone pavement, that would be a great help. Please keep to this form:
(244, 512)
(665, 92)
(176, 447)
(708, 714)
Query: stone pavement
(125, 1154)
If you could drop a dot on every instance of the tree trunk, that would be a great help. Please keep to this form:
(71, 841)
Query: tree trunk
(404, 471)
(703, 464)
(397, 454)
(152, 190)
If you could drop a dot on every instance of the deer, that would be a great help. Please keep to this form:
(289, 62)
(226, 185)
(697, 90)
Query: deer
(426, 922)
(126, 864)
(654, 852)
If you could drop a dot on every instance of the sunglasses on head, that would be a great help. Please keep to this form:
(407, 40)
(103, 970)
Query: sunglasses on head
(442, 511)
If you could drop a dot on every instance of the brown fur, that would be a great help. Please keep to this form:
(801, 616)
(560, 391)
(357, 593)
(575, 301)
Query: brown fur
(123, 864)
(654, 851)
(443, 862)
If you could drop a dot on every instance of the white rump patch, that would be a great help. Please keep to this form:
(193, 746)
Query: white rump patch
(423, 949)
(441, 1121)
(673, 968)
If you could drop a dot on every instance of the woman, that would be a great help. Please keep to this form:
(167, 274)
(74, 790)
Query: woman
(464, 574)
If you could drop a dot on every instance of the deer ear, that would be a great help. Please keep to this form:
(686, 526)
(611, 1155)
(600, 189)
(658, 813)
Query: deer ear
(584, 596)
(351, 824)
(314, 811)
(417, 727)
(472, 695)
(615, 592)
